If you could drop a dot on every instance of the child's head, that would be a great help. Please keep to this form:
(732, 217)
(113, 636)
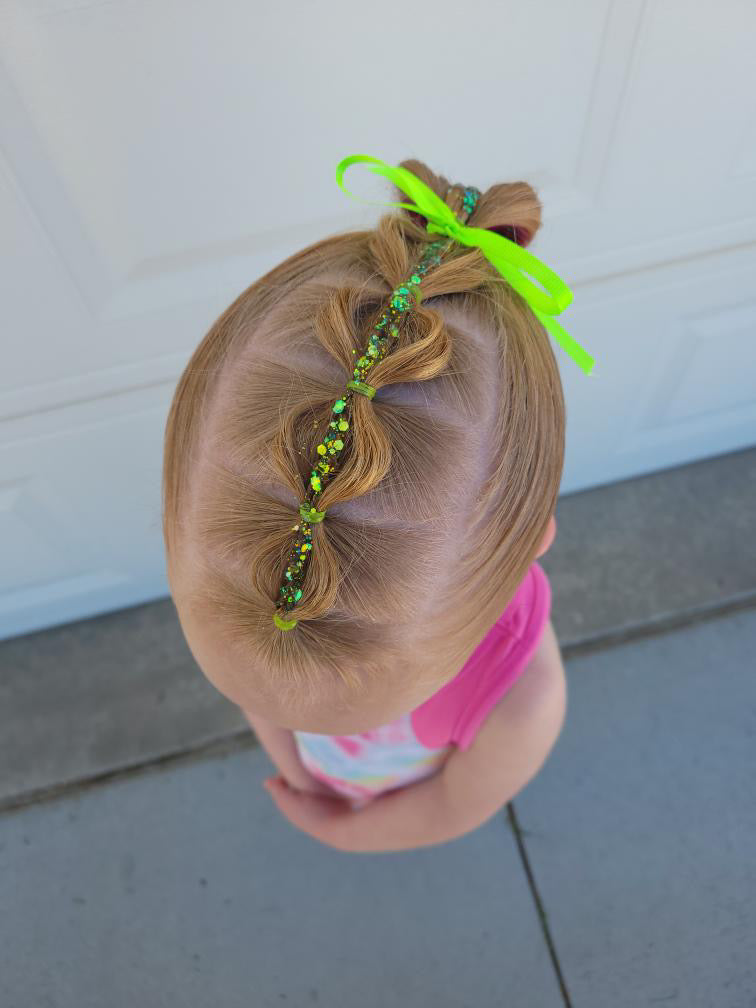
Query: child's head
(444, 499)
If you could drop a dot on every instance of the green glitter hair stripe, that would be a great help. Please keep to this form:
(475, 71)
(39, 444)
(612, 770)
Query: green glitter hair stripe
(331, 450)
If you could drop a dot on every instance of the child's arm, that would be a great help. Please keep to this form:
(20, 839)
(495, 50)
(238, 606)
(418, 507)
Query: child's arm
(508, 750)
(515, 739)
(282, 749)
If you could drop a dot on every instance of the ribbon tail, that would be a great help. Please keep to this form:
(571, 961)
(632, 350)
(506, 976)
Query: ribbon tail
(581, 357)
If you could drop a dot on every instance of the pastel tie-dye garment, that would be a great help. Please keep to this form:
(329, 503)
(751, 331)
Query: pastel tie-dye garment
(361, 766)
(418, 743)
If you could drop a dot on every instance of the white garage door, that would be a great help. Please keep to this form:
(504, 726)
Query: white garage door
(158, 155)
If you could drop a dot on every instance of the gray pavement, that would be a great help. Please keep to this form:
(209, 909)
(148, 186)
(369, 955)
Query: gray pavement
(641, 828)
(634, 864)
(185, 887)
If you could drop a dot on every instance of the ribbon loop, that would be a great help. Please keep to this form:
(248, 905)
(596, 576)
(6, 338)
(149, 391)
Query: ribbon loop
(511, 260)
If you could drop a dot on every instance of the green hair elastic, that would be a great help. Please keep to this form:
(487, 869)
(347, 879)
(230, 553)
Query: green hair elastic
(310, 515)
(359, 386)
(512, 262)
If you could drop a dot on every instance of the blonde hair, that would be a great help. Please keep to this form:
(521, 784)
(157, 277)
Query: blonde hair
(444, 496)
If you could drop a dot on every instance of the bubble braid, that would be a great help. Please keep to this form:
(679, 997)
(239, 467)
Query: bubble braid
(511, 261)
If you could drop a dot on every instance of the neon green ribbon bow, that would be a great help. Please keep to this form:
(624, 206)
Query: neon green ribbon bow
(511, 260)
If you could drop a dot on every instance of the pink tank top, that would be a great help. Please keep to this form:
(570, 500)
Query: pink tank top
(417, 744)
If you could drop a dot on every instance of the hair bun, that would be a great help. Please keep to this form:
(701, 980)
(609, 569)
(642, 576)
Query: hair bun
(510, 209)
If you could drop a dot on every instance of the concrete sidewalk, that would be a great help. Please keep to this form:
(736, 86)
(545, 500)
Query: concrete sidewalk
(624, 874)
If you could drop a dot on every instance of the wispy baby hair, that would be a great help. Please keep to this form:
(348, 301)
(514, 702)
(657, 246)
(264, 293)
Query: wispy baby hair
(447, 483)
